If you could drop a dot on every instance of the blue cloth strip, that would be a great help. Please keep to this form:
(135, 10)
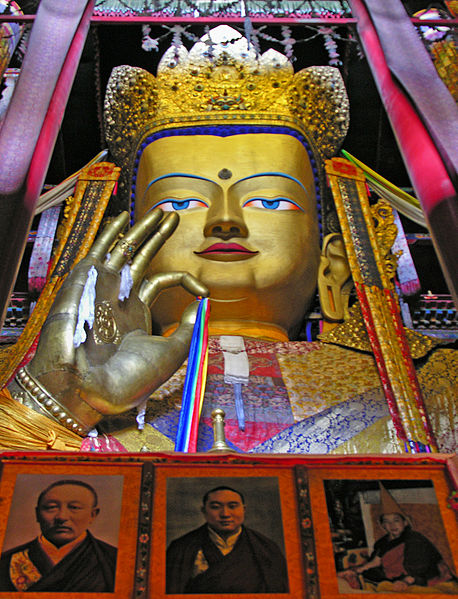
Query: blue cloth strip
(186, 404)
(240, 411)
(197, 359)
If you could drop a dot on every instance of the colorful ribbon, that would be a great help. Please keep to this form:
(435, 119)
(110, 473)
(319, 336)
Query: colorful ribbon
(194, 386)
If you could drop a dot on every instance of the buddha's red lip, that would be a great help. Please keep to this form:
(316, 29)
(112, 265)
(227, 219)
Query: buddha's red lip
(224, 248)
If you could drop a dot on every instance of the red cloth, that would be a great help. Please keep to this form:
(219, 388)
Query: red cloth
(393, 562)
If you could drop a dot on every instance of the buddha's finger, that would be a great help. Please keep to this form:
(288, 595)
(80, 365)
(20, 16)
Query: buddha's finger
(150, 289)
(126, 248)
(151, 247)
(108, 236)
(57, 333)
(183, 332)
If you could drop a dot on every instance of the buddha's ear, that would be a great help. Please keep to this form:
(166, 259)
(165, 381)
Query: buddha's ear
(334, 278)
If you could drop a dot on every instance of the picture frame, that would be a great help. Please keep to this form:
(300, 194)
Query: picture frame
(402, 478)
(275, 517)
(116, 524)
(162, 496)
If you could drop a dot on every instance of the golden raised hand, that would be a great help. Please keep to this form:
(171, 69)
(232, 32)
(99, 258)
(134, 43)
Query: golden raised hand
(120, 363)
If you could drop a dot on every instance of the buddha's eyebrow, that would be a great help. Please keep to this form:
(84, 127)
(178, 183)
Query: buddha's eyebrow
(273, 174)
(168, 175)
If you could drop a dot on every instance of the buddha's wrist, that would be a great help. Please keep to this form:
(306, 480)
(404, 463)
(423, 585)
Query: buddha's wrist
(63, 406)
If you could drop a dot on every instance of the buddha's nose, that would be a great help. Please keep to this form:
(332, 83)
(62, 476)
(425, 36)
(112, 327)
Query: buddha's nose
(226, 230)
(225, 222)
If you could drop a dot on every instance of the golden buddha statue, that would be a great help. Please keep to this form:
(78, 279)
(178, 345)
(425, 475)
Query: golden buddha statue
(233, 144)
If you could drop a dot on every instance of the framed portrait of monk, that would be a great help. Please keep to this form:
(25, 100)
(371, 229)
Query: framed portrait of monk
(384, 532)
(68, 530)
(226, 531)
(388, 535)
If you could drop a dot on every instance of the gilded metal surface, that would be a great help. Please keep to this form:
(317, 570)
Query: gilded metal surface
(395, 364)
(379, 255)
(352, 333)
(85, 383)
(385, 232)
(383, 321)
(272, 277)
(228, 85)
(86, 213)
(22, 397)
(83, 213)
(48, 404)
(105, 327)
(268, 282)
(219, 443)
(359, 232)
(94, 189)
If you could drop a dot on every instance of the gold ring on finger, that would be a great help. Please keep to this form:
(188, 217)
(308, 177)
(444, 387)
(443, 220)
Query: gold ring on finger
(128, 248)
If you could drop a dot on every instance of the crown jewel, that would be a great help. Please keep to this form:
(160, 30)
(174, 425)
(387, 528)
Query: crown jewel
(222, 80)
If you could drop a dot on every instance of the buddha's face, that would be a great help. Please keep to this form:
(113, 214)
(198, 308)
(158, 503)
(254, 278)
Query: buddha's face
(248, 224)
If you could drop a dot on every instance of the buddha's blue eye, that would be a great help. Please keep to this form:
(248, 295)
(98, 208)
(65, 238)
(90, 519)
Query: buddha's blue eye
(271, 204)
(170, 205)
(276, 204)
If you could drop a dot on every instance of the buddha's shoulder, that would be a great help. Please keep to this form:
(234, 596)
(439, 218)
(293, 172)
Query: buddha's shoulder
(438, 357)
(440, 364)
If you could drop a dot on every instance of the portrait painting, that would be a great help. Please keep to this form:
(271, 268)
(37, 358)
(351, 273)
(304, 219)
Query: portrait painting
(388, 537)
(62, 534)
(230, 531)
(237, 540)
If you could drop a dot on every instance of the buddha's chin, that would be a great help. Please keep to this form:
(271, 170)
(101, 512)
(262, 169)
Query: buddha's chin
(285, 311)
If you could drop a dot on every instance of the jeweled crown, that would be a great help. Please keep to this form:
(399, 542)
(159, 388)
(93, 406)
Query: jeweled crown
(222, 80)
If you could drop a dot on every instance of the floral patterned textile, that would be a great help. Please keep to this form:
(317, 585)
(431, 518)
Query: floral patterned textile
(23, 572)
(326, 430)
(308, 398)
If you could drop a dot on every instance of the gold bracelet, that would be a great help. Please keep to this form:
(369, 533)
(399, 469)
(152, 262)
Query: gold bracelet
(48, 403)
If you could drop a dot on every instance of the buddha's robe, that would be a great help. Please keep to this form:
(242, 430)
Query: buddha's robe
(302, 398)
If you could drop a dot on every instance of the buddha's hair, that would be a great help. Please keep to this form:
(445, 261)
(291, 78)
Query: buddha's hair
(60, 483)
(324, 209)
(222, 488)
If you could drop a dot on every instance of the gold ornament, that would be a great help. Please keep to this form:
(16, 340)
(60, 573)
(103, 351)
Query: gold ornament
(48, 404)
(105, 329)
(128, 248)
(352, 333)
(385, 233)
(222, 81)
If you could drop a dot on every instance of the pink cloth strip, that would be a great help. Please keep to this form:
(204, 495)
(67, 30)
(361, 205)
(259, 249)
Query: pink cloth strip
(42, 248)
(32, 122)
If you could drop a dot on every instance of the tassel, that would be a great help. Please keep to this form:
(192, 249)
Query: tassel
(140, 418)
(86, 308)
(21, 428)
(126, 283)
